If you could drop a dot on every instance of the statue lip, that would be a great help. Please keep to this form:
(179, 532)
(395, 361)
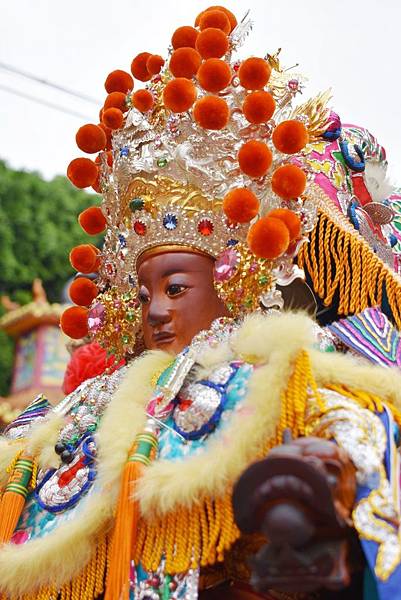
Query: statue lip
(163, 337)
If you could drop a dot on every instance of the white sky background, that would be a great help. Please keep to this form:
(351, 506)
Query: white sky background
(352, 46)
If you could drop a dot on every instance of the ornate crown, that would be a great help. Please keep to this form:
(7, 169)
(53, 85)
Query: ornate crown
(202, 157)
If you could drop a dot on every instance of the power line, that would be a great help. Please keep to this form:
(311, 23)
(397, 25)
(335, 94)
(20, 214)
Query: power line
(60, 88)
(67, 111)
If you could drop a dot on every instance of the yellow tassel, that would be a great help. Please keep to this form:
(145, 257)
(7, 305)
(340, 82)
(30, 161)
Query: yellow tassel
(187, 536)
(87, 585)
(14, 496)
(300, 388)
(340, 261)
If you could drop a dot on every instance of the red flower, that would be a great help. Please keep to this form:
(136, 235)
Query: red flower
(86, 362)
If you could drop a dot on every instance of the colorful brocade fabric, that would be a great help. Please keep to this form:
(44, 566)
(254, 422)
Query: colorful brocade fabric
(34, 412)
(370, 334)
(350, 168)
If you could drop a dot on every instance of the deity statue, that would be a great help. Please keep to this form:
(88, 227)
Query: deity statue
(235, 448)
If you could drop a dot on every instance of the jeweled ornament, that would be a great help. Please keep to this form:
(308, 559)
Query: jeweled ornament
(226, 265)
(136, 204)
(96, 317)
(205, 227)
(140, 228)
(170, 221)
(162, 162)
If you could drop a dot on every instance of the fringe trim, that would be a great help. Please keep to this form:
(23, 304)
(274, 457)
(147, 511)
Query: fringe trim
(89, 584)
(187, 537)
(201, 534)
(339, 260)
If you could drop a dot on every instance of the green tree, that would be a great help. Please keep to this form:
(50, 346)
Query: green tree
(38, 228)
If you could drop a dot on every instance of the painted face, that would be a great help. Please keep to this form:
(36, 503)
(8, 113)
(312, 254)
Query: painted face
(178, 299)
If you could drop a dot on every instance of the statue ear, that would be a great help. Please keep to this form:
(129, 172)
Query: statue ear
(297, 295)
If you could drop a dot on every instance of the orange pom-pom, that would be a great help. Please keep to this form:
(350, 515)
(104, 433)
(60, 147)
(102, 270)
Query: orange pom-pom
(91, 138)
(184, 37)
(290, 219)
(254, 73)
(118, 81)
(139, 68)
(240, 205)
(82, 172)
(108, 133)
(214, 75)
(116, 100)
(211, 112)
(255, 158)
(185, 62)
(268, 238)
(258, 107)
(231, 17)
(83, 291)
(142, 100)
(290, 136)
(215, 18)
(113, 118)
(74, 322)
(154, 64)
(92, 220)
(212, 43)
(179, 94)
(96, 186)
(84, 258)
(288, 181)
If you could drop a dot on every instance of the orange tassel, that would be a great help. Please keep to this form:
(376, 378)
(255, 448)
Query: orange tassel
(127, 519)
(13, 500)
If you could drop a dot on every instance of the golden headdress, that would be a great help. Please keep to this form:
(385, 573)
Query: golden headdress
(200, 158)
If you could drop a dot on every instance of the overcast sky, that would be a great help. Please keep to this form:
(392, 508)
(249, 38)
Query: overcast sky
(352, 46)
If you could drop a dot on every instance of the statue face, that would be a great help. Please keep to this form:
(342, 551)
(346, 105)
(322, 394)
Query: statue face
(178, 298)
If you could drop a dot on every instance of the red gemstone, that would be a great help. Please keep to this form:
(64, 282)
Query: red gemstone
(139, 228)
(69, 475)
(205, 227)
(185, 404)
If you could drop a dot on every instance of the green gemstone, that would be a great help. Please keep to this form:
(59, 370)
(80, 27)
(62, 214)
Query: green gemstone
(263, 279)
(126, 339)
(230, 305)
(92, 427)
(136, 204)
(130, 316)
(248, 302)
(162, 162)
(126, 297)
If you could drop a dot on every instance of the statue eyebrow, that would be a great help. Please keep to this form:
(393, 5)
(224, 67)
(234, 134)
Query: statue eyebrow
(175, 271)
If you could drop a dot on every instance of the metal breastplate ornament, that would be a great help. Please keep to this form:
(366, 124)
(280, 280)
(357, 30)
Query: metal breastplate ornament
(60, 489)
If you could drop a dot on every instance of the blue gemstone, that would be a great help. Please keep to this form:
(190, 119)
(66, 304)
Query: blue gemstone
(122, 240)
(232, 242)
(170, 221)
(124, 151)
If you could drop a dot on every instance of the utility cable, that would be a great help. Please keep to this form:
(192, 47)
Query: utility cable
(60, 88)
(67, 111)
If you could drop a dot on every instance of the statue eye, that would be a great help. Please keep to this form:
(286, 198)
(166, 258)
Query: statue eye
(143, 296)
(175, 289)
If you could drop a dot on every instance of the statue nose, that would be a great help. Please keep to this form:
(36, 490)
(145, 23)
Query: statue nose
(158, 312)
